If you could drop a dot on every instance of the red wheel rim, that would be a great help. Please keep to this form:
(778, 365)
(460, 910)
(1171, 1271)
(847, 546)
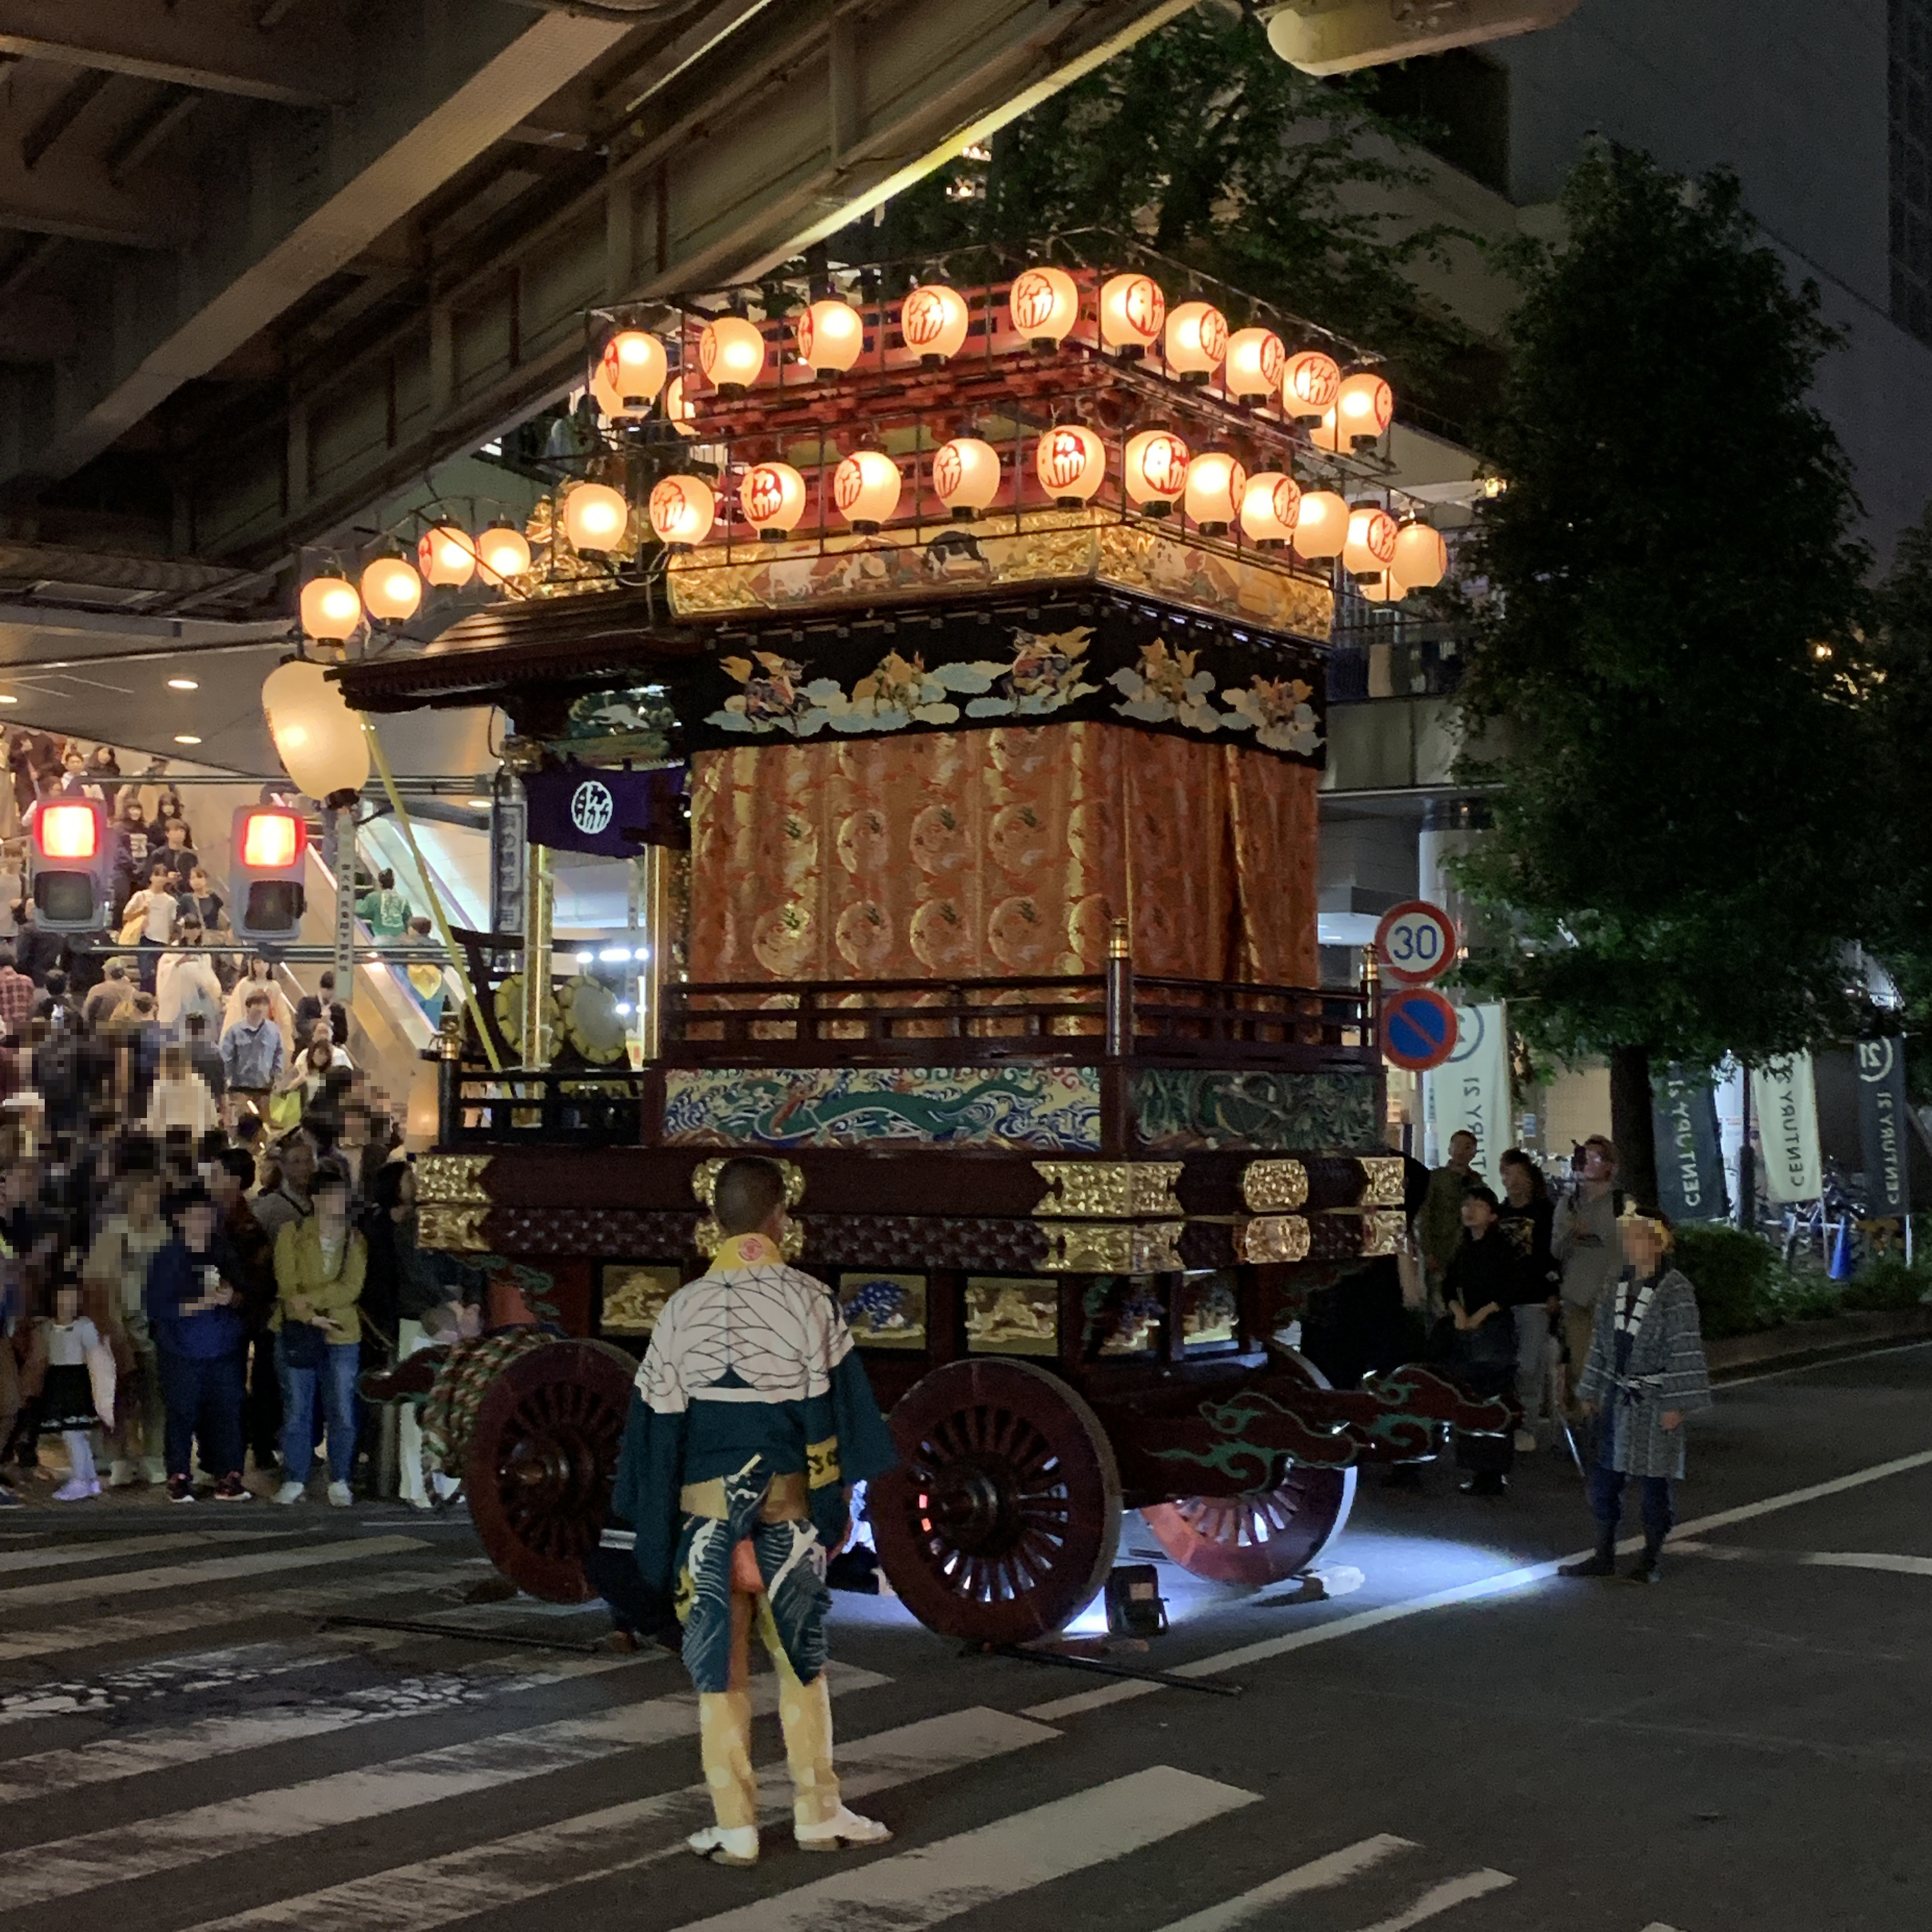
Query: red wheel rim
(1263, 1538)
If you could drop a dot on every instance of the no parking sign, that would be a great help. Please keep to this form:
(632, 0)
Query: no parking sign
(1418, 1029)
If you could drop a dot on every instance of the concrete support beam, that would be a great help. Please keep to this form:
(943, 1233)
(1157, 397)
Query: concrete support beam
(212, 44)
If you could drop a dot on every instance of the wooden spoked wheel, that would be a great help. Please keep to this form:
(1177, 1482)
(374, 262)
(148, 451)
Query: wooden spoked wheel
(1003, 1517)
(542, 1456)
(1263, 1537)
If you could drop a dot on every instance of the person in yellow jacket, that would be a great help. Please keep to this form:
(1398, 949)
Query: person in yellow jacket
(319, 1265)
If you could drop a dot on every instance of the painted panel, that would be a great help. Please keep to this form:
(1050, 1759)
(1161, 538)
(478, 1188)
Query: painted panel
(1176, 1109)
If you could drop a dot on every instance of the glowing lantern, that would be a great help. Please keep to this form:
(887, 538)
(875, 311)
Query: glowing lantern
(392, 590)
(1321, 525)
(330, 607)
(1215, 485)
(965, 474)
(830, 334)
(932, 321)
(1195, 341)
(504, 552)
(1362, 407)
(1071, 462)
(1269, 505)
(1421, 557)
(772, 499)
(595, 516)
(1132, 311)
(1156, 470)
(731, 352)
(319, 739)
(1256, 359)
(1044, 304)
(866, 488)
(629, 374)
(445, 555)
(1370, 548)
(682, 509)
(1386, 589)
(1308, 385)
(680, 413)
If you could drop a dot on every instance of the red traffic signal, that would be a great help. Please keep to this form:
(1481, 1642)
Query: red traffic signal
(268, 899)
(270, 836)
(68, 829)
(71, 864)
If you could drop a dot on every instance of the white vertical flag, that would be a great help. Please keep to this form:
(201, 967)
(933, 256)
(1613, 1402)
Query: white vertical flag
(1470, 1091)
(1786, 1103)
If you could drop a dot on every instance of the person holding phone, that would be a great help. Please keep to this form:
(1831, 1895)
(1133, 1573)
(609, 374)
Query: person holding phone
(320, 1263)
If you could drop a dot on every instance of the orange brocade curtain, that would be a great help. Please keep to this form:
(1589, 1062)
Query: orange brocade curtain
(1001, 853)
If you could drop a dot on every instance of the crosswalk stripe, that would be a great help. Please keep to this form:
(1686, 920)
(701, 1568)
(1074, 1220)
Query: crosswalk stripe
(1440, 1897)
(937, 1881)
(171, 1620)
(1336, 1868)
(61, 1868)
(105, 1760)
(168, 1676)
(513, 1870)
(65, 1555)
(210, 1569)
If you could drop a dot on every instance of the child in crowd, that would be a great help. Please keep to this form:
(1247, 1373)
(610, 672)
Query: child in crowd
(78, 1395)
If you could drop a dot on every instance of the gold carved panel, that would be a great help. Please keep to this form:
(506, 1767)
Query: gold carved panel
(451, 1177)
(1271, 1238)
(1385, 1230)
(1382, 1184)
(1106, 1190)
(1274, 1186)
(456, 1227)
(1075, 1247)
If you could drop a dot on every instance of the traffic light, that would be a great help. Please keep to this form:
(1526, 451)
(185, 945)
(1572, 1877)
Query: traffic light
(73, 866)
(271, 848)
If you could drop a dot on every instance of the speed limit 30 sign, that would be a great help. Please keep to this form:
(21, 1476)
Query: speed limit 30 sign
(1415, 942)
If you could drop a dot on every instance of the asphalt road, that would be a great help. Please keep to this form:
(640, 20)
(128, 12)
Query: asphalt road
(1456, 1737)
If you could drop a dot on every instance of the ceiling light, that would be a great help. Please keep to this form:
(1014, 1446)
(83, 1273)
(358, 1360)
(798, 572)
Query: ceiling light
(7, 698)
(186, 738)
(183, 684)
(477, 804)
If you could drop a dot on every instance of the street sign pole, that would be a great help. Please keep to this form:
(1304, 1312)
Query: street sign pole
(338, 854)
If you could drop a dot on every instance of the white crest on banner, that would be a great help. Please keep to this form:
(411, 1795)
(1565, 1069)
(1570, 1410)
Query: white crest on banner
(1786, 1103)
(1470, 1092)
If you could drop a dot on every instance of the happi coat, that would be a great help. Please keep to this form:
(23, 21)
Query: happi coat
(751, 1374)
(1665, 1370)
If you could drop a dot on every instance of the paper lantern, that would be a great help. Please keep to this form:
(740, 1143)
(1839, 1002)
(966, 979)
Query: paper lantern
(1309, 381)
(1256, 359)
(965, 474)
(731, 352)
(629, 374)
(1363, 408)
(771, 499)
(445, 555)
(596, 516)
(1215, 485)
(830, 334)
(331, 608)
(866, 488)
(932, 322)
(319, 739)
(1321, 525)
(1195, 340)
(392, 590)
(1421, 557)
(1155, 469)
(682, 509)
(1132, 311)
(1269, 505)
(1386, 589)
(1044, 304)
(504, 552)
(1071, 462)
(1370, 548)
(679, 412)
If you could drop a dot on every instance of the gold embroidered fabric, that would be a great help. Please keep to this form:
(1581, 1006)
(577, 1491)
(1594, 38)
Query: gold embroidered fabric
(999, 853)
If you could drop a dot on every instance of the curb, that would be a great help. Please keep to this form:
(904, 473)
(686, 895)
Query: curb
(1798, 1342)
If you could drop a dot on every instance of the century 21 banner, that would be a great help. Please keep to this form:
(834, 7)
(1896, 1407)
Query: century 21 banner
(1881, 1126)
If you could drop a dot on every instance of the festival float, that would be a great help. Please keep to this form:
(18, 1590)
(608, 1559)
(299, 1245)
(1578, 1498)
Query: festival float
(948, 652)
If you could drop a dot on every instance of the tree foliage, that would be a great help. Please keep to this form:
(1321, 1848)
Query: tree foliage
(1212, 149)
(1665, 646)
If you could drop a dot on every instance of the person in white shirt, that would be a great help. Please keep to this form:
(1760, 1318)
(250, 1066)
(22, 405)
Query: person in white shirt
(180, 1098)
(156, 907)
(77, 1397)
(186, 982)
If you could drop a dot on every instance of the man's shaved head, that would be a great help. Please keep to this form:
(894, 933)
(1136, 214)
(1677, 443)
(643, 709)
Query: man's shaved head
(748, 1190)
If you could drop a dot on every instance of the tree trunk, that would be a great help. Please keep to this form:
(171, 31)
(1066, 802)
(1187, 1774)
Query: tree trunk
(1631, 1124)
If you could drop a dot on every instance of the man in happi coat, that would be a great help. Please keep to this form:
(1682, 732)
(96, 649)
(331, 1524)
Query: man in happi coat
(1646, 1372)
(752, 1419)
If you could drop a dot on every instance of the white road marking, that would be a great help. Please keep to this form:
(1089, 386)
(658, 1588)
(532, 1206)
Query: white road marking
(210, 1570)
(168, 1676)
(107, 1759)
(62, 1867)
(1818, 1559)
(1500, 1583)
(172, 1619)
(1336, 1868)
(1440, 1898)
(937, 1881)
(530, 1864)
(60, 1556)
(1730, 1382)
